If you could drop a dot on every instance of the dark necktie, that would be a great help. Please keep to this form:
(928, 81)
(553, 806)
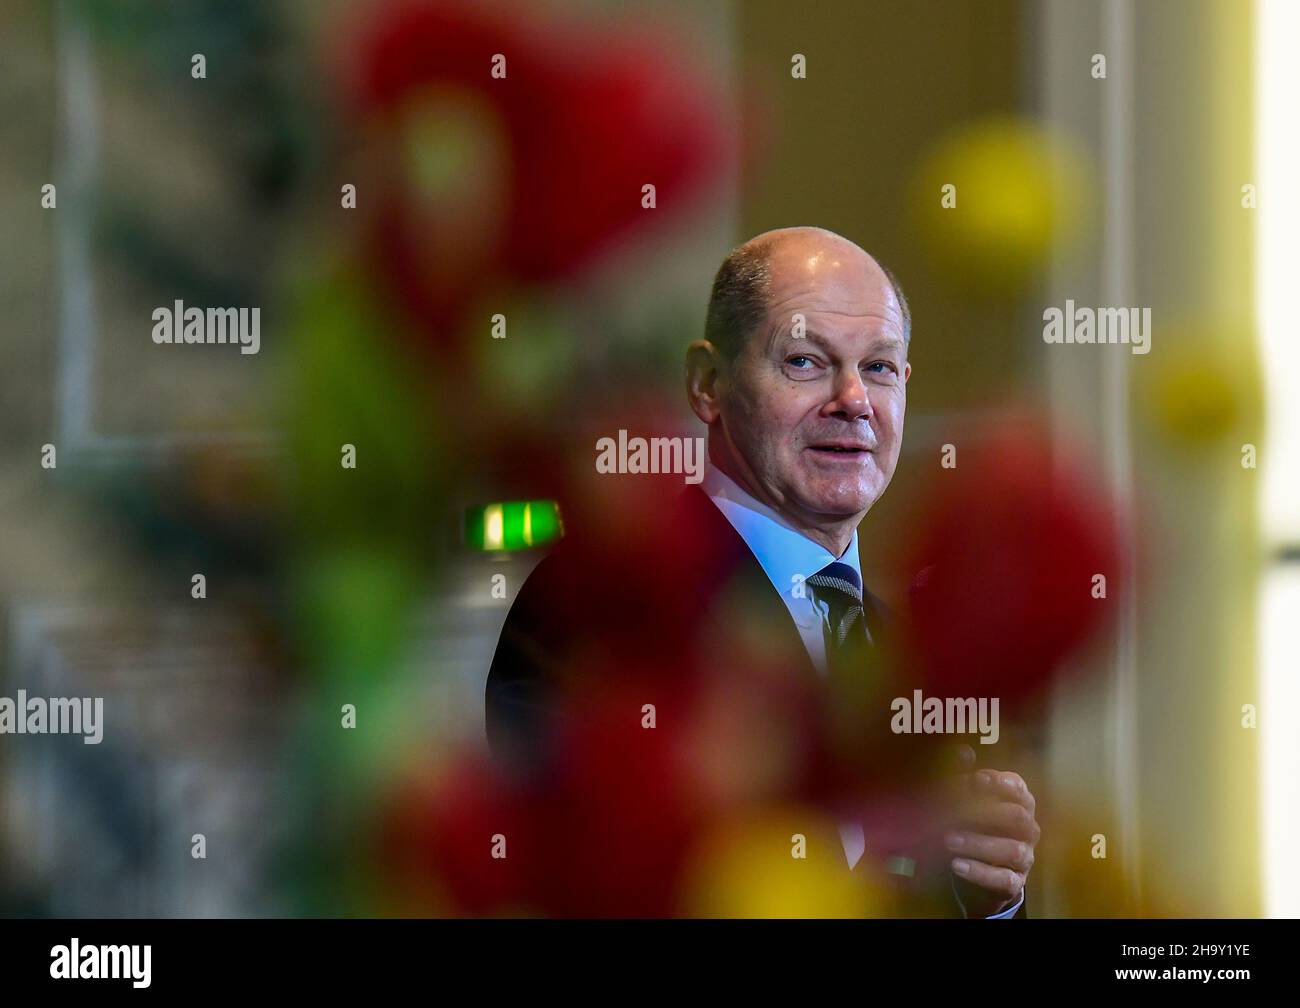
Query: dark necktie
(838, 585)
(854, 677)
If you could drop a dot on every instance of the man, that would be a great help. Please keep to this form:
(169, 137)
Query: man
(801, 381)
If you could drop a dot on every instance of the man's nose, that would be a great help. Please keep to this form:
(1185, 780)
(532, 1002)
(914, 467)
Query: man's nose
(849, 398)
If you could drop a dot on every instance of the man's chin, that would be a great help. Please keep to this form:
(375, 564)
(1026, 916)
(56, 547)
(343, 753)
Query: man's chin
(839, 505)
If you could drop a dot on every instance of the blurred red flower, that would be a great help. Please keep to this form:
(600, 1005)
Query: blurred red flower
(1008, 550)
(435, 842)
(532, 175)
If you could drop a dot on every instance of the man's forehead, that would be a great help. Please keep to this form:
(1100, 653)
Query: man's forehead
(833, 307)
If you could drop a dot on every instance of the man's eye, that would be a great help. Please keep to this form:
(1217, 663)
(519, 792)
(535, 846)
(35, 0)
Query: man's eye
(806, 362)
(883, 364)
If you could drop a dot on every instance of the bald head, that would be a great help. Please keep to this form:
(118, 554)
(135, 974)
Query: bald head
(754, 277)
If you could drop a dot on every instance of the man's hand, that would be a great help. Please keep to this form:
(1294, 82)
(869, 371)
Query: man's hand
(993, 843)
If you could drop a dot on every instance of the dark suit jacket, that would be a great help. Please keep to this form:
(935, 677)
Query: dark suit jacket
(575, 595)
(554, 609)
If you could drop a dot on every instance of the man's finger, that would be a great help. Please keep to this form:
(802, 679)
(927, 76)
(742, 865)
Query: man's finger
(1002, 881)
(1002, 818)
(1002, 852)
(1006, 784)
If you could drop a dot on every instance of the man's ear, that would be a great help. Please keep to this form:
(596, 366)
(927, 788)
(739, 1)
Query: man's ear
(907, 371)
(703, 368)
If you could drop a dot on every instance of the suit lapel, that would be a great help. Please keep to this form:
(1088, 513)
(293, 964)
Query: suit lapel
(739, 577)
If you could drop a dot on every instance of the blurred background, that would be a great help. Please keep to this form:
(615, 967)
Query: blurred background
(460, 277)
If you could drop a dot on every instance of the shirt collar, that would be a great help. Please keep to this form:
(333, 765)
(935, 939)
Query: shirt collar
(786, 556)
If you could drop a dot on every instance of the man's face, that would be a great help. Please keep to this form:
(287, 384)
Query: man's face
(814, 423)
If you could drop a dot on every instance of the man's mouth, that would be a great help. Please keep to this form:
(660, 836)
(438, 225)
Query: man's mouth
(840, 448)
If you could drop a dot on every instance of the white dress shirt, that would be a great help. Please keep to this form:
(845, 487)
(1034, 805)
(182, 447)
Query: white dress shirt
(789, 558)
